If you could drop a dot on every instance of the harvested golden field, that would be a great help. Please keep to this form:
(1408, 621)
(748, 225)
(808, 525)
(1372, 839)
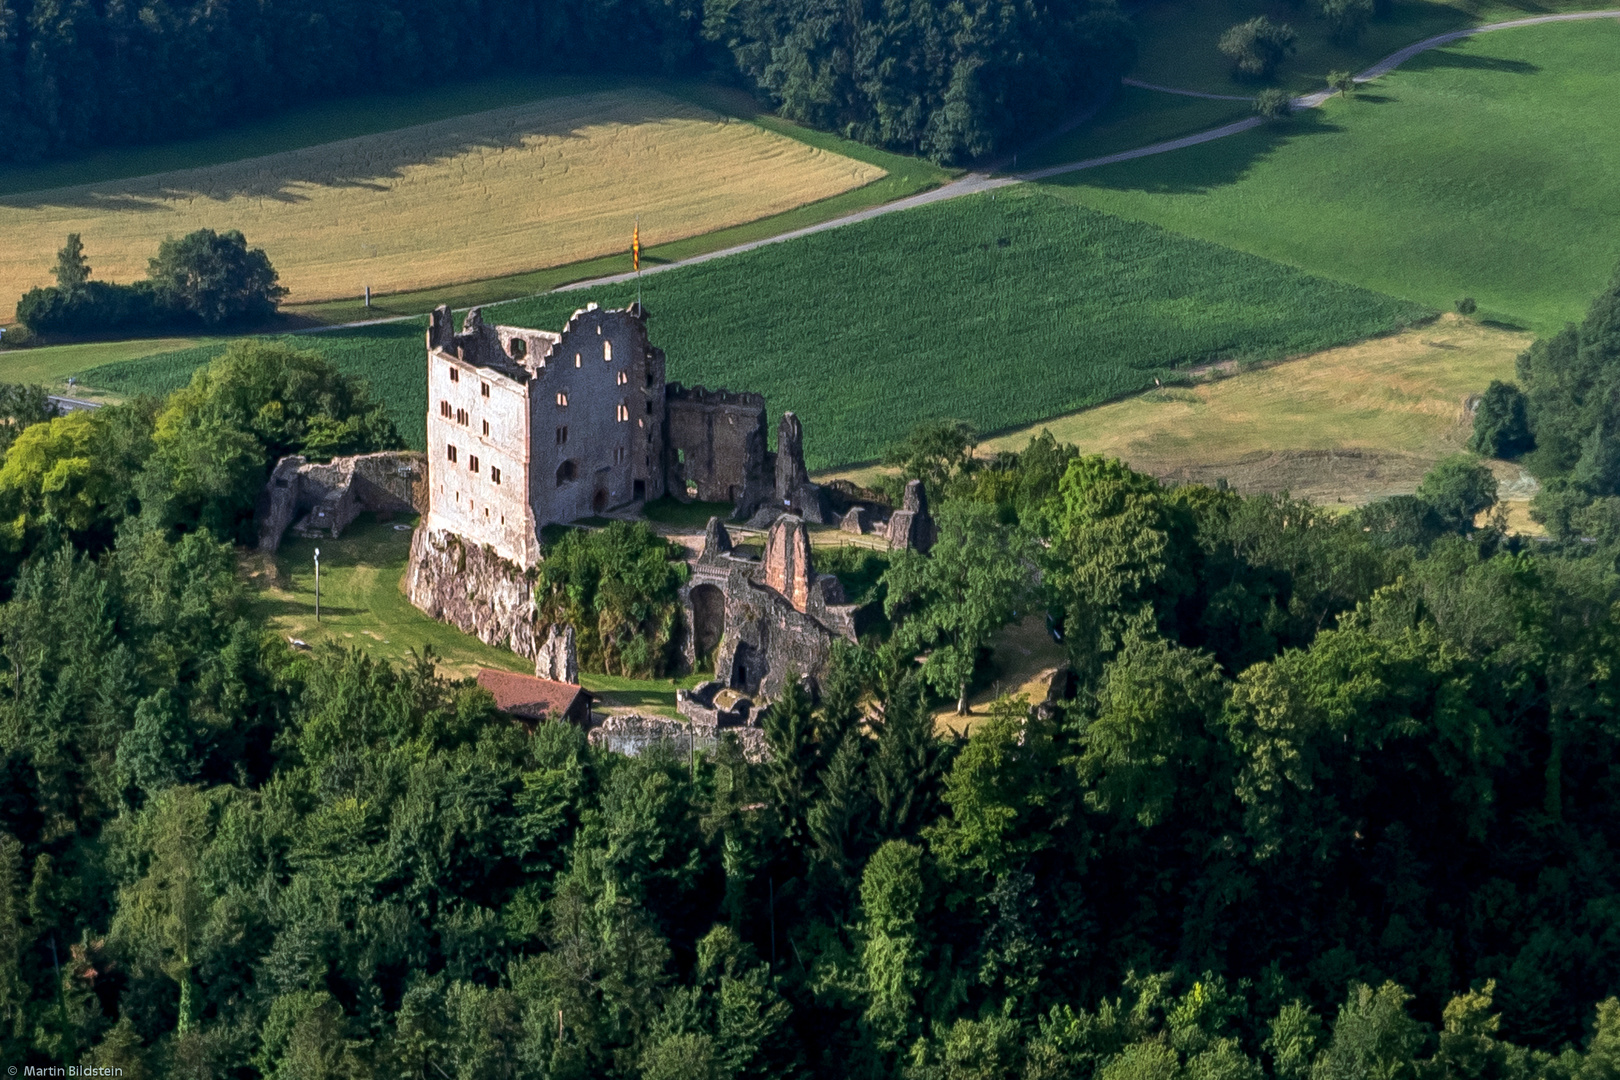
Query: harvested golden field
(1346, 425)
(473, 197)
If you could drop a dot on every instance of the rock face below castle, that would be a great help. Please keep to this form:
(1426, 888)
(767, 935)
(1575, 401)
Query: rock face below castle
(473, 589)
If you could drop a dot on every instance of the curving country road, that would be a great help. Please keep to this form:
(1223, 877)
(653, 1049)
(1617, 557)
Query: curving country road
(974, 183)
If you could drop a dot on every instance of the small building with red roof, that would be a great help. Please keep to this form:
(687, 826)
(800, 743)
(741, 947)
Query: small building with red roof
(533, 699)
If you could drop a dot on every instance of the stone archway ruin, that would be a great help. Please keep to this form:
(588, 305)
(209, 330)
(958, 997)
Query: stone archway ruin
(708, 618)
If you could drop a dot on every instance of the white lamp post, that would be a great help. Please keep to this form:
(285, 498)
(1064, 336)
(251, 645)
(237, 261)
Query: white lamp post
(317, 584)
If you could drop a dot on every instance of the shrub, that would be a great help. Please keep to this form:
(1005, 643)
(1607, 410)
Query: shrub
(1258, 46)
(1401, 521)
(98, 307)
(215, 278)
(620, 591)
(1274, 104)
(1466, 306)
(1502, 423)
(1342, 82)
(1459, 488)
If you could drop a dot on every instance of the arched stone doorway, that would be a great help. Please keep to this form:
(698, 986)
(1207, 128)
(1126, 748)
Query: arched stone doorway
(567, 472)
(708, 618)
(599, 500)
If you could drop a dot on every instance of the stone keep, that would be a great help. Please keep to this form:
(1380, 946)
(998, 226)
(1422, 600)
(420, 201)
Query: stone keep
(528, 427)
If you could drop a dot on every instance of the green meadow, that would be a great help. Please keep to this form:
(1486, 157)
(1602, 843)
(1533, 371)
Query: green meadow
(999, 309)
(1488, 169)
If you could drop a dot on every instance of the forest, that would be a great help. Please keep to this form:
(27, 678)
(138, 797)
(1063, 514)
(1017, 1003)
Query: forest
(951, 80)
(1334, 794)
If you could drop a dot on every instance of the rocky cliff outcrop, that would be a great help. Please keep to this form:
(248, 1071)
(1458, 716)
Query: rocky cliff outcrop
(472, 589)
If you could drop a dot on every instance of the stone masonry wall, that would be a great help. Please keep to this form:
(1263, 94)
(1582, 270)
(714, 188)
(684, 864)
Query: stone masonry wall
(717, 441)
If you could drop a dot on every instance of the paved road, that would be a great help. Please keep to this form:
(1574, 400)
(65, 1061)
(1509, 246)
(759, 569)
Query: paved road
(71, 404)
(974, 183)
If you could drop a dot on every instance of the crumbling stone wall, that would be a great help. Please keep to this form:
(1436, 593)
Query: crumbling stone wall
(330, 495)
(473, 589)
(717, 443)
(781, 617)
(911, 528)
(795, 494)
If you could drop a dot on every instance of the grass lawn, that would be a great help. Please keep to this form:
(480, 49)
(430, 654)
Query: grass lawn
(363, 607)
(692, 515)
(1177, 41)
(1485, 169)
(1022, 661)
(1136, 117)
(998, 309)
(546, 183)
(51, 365)
(1345, 425)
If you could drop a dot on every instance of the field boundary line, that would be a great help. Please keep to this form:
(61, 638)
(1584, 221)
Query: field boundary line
(977, 182)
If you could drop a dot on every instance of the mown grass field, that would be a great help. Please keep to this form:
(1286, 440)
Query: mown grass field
(1177, 41)
(1135, 117)
(51, 365)
(493, 193)
(1487, 169)
(1000, 310)
(1339, 427)
(362, 607)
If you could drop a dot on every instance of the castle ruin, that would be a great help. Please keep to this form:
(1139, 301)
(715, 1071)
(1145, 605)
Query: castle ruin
(528, 428)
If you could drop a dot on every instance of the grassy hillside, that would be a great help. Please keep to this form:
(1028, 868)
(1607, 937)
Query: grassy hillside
(1485, 169)
(999, 310)
(363, 607)
(1178, 41)
(497, 192)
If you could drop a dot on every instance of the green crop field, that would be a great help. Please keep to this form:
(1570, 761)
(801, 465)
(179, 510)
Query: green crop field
(1487, 169)
(1000, 310)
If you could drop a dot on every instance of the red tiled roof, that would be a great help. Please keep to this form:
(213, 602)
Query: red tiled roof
(530, 697)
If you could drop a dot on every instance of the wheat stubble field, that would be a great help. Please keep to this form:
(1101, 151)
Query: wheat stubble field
(472, 197)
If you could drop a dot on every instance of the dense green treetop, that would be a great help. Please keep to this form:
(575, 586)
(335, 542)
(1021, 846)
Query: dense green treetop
(1331, 797)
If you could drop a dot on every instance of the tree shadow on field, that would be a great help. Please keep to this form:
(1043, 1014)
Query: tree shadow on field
(369, 161)
(1196, 170)
(1438, 59)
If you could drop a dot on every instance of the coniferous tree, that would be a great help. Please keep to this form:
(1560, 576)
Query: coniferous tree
(72, 270)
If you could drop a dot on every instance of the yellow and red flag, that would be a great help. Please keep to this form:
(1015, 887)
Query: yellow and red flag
(635, 247)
